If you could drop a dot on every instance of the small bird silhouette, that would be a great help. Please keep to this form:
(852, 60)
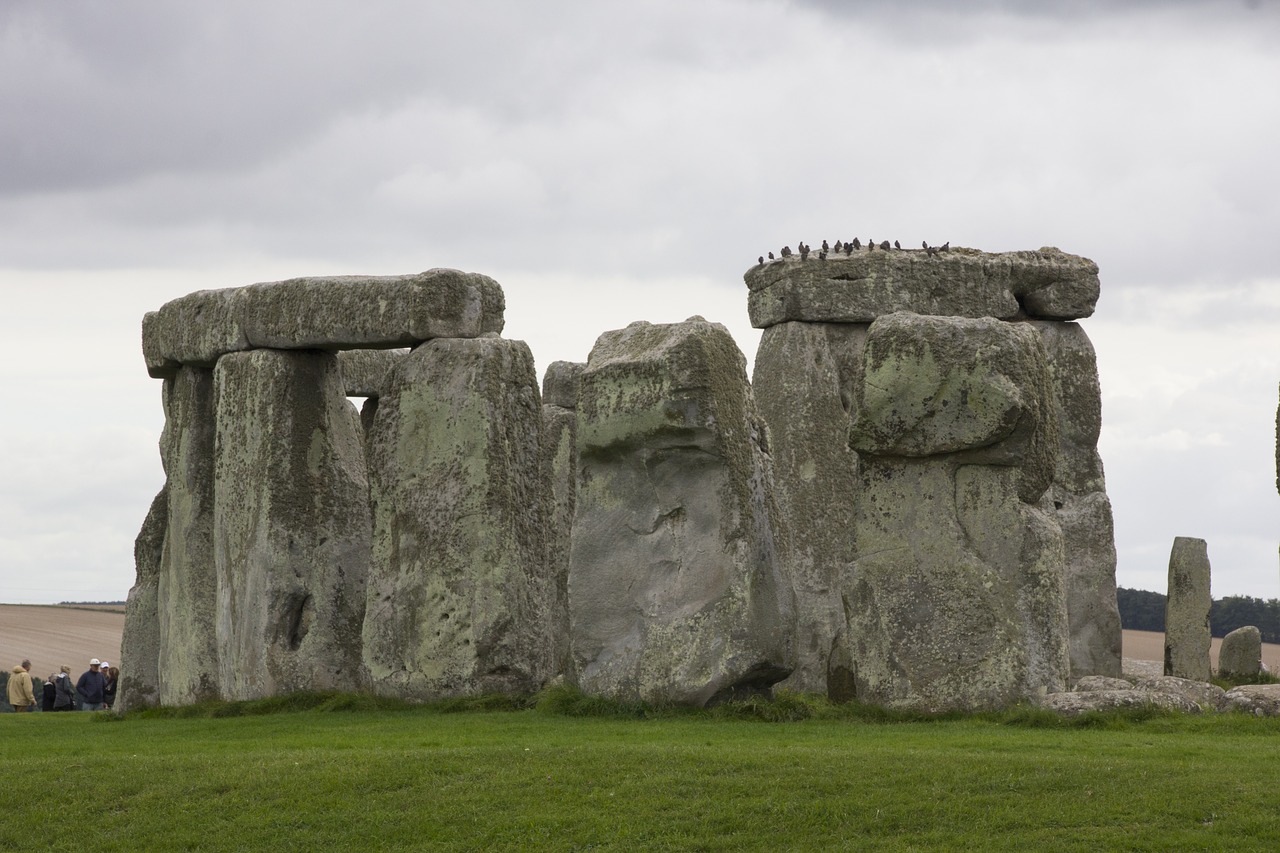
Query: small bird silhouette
(771, 256)
(786, 251)
(825, 247)
(930, 250)
(897, 245)
(871, 245)
(760, 261)
(804, 252)
(946, 247)
(822, 256)
(857, 244)
(924, 244)
(884, 245)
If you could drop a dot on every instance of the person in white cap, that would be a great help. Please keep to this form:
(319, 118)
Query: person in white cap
(89, 687)
(110, 679)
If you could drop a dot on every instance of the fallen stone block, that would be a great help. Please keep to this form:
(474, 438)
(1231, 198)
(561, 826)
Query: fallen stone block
(1240, 654)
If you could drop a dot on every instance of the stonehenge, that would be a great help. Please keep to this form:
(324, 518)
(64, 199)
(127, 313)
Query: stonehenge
(1186, 612)
(904, 506)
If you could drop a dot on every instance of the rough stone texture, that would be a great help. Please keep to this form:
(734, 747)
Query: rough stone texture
(458, 583)
(140, 645)
(1241, 652)
(858, 288)
(365, 371)
(559, 472)
(1076, 703)
(560, 384)
(1137, 669)
(802, 388)
(332, 313)
(956, 596)
(1101, 682)
(292, 527)
(675, 589)
(1208, 696)
(187, 588)
(1260, 700)
(1080, 502)
(1186, 613)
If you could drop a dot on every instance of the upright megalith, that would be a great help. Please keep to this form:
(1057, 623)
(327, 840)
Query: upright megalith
(187, 587)
(1240, 654)
(140, 644)
(292, 528)
(1079, 499)
(560, 474)
(676, 592)
(955, 598)
(1186, 611)
(458, 584)
(803, 388)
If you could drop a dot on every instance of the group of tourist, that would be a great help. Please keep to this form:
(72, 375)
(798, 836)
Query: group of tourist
(95, 690)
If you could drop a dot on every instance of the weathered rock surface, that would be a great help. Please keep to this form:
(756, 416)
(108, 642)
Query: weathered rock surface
(1090, 683)
(802, 387)
(560, 473)
(858, 288)
(1206, 695)
(1260, 700)
(457, 583)
(560, 384)
(365, 371)
(330, 313)
(188, 586)
(956, 597)
(1074, 704)
(1186, 614)
(140, 645)
(1241, 652)
(675, 589)
(292, 527)
(1080, 502)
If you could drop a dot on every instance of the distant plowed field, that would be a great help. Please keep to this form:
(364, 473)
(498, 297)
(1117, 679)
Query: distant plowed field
(52, 636)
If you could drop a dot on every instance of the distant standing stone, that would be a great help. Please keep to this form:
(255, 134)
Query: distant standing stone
(1186, 614)
(1241, 652)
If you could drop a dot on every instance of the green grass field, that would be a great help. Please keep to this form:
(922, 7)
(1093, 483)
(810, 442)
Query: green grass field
(387, 779)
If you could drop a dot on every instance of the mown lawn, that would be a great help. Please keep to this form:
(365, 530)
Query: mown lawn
(422, 779)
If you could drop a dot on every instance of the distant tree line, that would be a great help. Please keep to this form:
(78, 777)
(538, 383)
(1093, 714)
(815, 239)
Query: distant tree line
(1141, 610)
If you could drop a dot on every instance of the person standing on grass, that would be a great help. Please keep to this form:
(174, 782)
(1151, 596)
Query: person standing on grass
(48, 695)
(66, 700)
(110, 678)
(21, 696)
(89, 687)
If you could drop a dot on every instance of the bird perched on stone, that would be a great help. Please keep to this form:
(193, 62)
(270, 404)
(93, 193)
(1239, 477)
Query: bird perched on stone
(857, 244)
(825, 247)
(822, 256)
(771, 256)
(897, 245)
(945, 247)
(924, 244)
(871, 245)
(786, 251)
(760, 261)
(804, 252)
(884, 244)
(930, 250)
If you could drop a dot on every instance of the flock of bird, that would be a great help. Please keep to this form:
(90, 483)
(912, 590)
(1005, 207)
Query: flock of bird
(851, 247)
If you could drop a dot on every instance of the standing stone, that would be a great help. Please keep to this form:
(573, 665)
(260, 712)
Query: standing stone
(458, 575)
(1079, 500)
(1241, 653)
(802, 391)
(956, 598)
(140, 644)
(292, 526)
(676, 593)
(1186, 611)
(559, 472)
(187, 589)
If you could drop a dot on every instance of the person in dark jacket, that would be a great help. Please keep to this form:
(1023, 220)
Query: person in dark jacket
(66, 700)
(48, 695)
(89, 687)
(110, 679)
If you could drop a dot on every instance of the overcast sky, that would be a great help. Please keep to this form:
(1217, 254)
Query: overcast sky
(609, 162)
